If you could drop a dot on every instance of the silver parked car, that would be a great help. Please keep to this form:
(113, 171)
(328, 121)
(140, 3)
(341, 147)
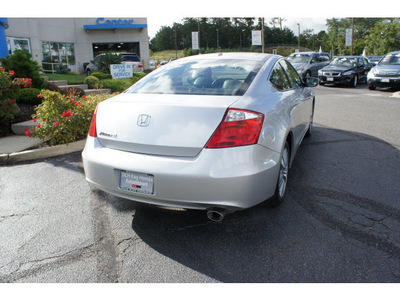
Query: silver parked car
(307, 64)
(216, 132)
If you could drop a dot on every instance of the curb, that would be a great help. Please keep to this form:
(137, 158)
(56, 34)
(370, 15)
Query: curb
(41, 153)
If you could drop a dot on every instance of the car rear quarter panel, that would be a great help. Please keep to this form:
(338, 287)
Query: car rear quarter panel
(285, 112)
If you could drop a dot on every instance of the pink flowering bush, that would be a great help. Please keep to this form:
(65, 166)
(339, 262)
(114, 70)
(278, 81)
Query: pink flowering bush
(8, 106)
(63, 119)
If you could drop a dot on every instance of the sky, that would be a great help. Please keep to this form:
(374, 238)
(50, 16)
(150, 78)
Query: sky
(310, 14)
(156, 22)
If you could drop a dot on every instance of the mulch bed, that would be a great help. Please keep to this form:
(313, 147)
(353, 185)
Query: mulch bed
(25, 114)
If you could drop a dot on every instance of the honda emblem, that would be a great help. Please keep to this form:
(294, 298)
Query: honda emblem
(143, 120)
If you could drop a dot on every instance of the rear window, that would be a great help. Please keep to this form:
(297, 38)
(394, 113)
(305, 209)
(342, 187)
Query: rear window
(203, 77)
(130, 57)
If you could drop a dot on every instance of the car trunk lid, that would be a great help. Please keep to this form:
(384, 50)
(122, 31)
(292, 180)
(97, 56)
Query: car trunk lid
(172, 125)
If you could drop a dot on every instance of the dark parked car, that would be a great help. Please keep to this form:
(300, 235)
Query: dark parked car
(347, 70)
(307, 64)
(386, 73)
(373, 60)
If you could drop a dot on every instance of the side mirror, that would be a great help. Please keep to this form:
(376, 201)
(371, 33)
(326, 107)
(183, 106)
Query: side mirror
(311, 82)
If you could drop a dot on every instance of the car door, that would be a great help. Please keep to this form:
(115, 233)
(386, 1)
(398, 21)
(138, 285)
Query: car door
(301, 106)
(314, 66)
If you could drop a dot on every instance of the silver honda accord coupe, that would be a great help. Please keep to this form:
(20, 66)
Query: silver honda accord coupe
(216, 132)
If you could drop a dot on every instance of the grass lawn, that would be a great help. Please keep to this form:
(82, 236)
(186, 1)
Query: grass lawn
(70, 78)
(166, 55)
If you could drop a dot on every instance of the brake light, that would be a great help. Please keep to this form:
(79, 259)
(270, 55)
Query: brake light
(238, 128)
(140, 66)
(92, 129)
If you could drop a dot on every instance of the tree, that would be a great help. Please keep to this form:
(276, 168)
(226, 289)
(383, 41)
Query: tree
(23, 66)
(370, 33)
(278, 22)
(384, 37)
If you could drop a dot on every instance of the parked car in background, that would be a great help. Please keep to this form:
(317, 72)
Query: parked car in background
(386, 73)
(349, 70)
(152, 64)
(307, 64)
(163, 62)
(373, 60)
(127, 58)
(216, 132)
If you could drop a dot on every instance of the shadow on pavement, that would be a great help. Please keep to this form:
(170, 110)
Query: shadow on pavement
(340, 221)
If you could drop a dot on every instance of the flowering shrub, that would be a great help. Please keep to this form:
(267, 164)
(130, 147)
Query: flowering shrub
(8, 107)
(63, 119)
(22, 82)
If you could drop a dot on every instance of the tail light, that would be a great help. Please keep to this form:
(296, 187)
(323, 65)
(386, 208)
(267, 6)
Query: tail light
(92, 129)
(238, 128)
(140, 66)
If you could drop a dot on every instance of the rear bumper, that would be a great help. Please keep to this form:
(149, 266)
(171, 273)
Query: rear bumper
(233, 178)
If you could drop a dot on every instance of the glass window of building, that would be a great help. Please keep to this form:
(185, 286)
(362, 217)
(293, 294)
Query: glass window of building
(18, 44)
(55, 53)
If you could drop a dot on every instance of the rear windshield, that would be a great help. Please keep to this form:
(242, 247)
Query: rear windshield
(390, 59)
(130, 57)
(203, 77)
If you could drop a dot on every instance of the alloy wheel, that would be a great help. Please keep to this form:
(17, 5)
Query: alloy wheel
(283, 172)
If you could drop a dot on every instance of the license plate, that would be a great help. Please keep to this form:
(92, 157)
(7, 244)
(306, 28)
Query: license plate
(136, 182)
(385, 80)
(329, 79)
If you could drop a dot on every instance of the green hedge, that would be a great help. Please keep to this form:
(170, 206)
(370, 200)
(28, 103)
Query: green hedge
(29, 96)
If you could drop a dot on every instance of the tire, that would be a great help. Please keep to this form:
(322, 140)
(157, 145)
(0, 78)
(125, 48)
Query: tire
(371, 86)
(321, 83)
(354, 82)
(281, 185)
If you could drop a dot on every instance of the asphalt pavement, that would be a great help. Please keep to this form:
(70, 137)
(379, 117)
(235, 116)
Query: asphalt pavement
(340, 222)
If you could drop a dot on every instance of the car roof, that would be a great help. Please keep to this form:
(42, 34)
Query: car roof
(348, 56)
(310, 52)
(393, 52)
(233, 55)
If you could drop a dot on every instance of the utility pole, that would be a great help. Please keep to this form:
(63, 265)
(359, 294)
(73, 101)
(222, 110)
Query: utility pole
(298, 24)
(198, 30)
(217, 40)
(176, 45)
(262, 35)
(313, 40)
(352, 35)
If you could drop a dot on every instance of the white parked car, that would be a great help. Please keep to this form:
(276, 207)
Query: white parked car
(127, 58)
(216, 132)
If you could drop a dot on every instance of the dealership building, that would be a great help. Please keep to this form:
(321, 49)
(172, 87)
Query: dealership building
(73, 42)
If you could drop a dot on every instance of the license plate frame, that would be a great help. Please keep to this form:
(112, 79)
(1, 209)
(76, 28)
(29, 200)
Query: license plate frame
(136, 182)
(330, 79)
(385, 80)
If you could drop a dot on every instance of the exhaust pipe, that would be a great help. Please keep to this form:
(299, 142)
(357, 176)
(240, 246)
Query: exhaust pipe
(216, 214)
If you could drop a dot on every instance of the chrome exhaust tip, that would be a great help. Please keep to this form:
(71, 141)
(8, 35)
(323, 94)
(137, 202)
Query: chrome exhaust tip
(216, 214)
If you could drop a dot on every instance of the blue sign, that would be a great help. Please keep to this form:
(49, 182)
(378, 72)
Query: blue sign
(3, 39)
(102, 23)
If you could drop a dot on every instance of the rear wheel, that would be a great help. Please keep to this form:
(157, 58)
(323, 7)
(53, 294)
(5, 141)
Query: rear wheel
(280, 190)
